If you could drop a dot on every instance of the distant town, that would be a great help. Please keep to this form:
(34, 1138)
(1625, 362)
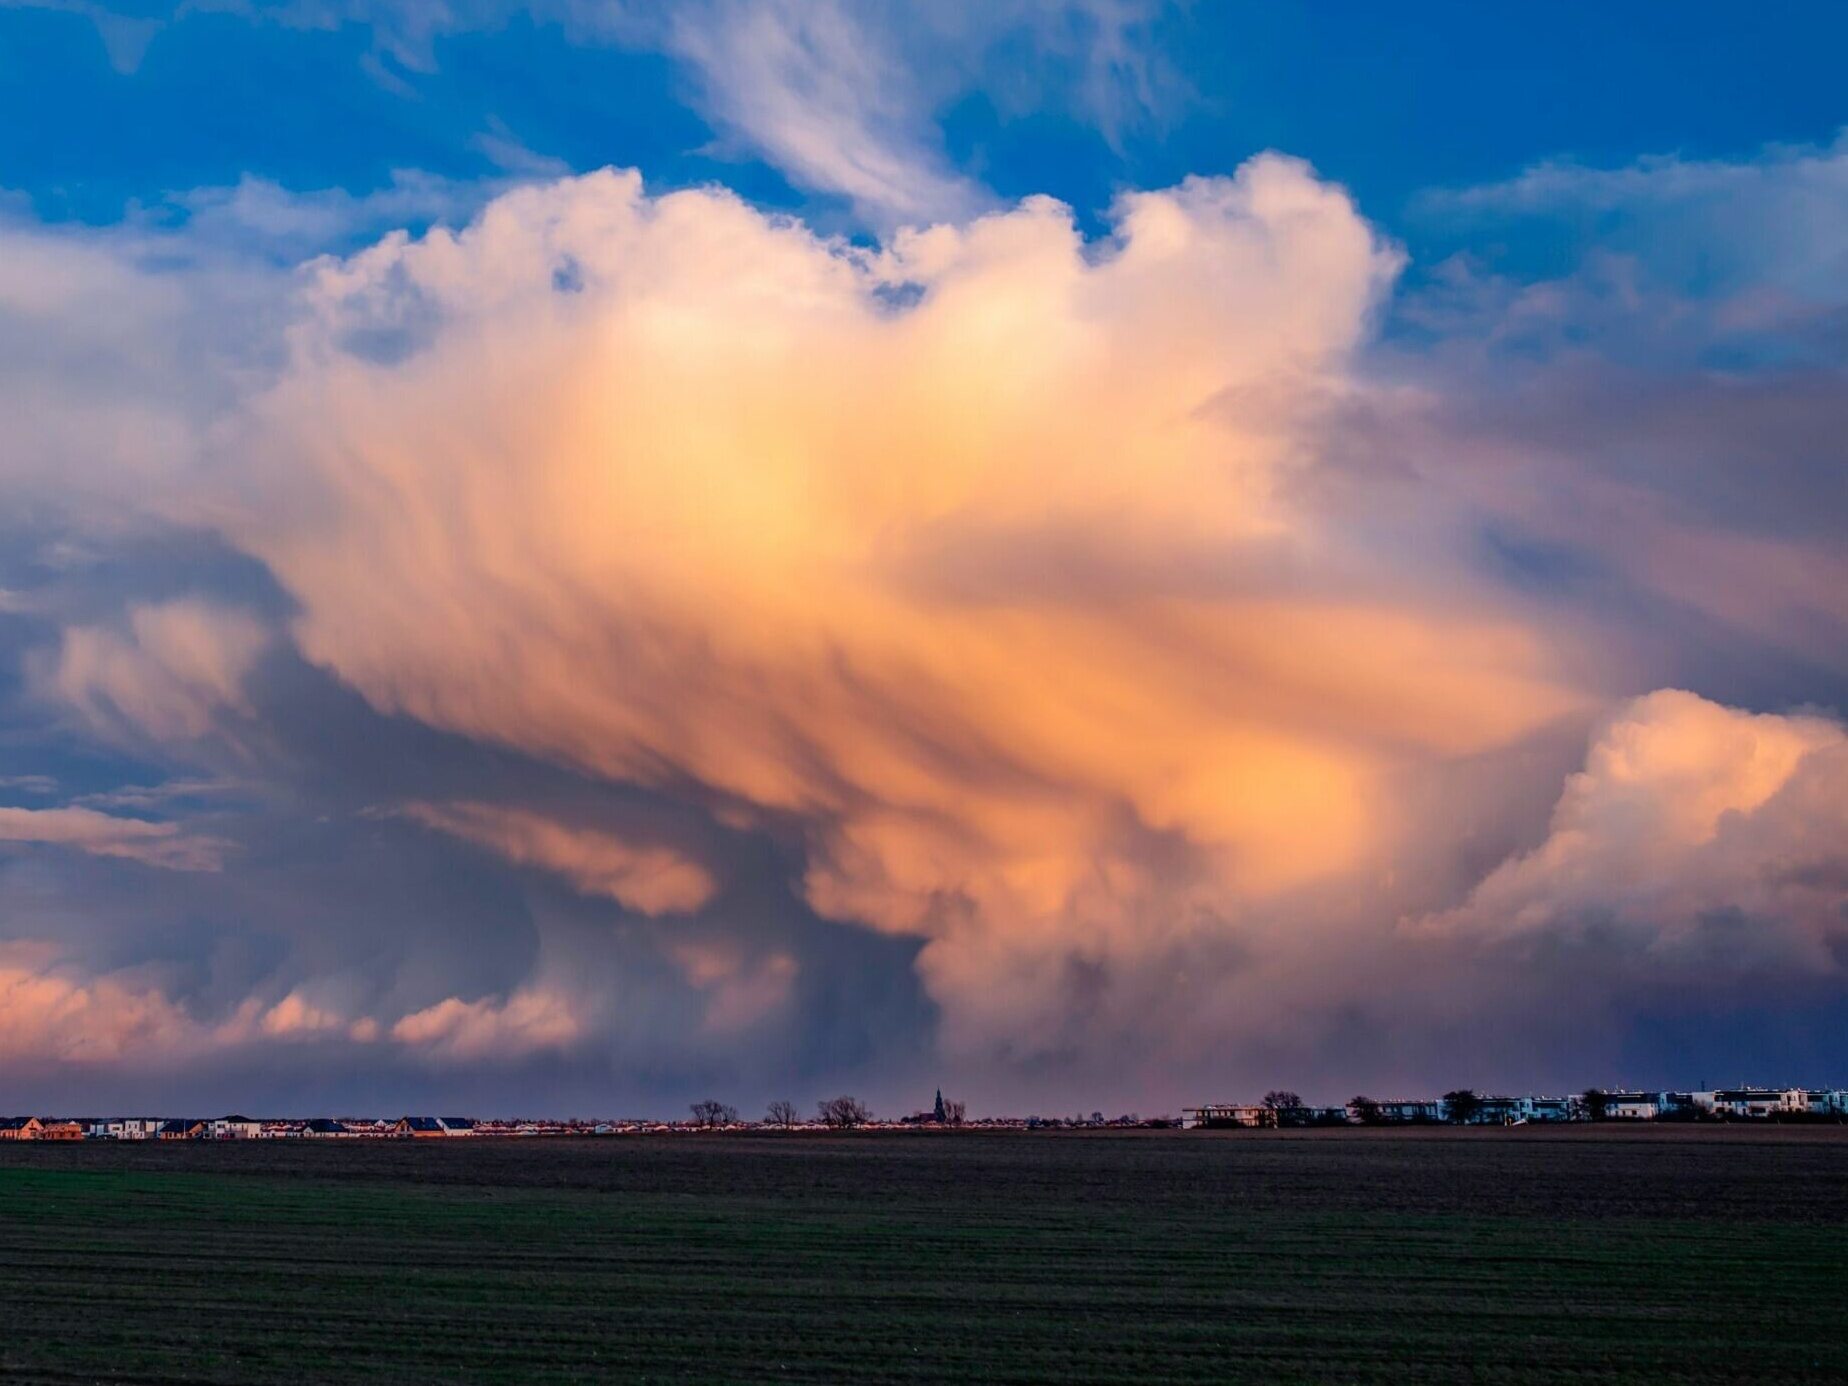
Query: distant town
(1277, 1109)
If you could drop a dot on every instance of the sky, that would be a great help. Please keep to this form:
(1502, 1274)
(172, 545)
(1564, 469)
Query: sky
(571, 558)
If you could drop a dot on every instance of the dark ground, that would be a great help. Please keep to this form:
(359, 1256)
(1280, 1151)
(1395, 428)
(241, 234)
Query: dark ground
(1589, 1254)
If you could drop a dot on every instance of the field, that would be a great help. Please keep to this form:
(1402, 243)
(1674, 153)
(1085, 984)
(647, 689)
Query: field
(1583, 1255)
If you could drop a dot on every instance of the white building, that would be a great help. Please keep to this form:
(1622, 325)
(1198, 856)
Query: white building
(1634, 1106)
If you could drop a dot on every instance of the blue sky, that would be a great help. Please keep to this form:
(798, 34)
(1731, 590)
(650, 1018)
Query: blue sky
(1459, 95)
(597, 648)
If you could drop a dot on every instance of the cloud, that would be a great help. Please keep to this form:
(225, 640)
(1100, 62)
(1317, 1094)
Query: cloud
(650, 879)
(125, 37)
(704, 518)
(1769, 222)
(48, 1014)
(165, 845)
(1696, 835)
(740, 991)
(170, 676)
(457, 1031)
(1117, 634)
(843, 99)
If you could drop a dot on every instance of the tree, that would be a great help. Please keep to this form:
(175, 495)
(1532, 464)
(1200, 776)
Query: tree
(782, 1113)
(1597, 1102)
(1282, 1106)
(842, 1112)
(954, 1112)
(1366, 1111)
(710, 1113)
(1461, 1105)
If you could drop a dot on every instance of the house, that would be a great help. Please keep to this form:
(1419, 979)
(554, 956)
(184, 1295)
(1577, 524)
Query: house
(20, 1128)
(61, 1131)
(1548, 1108)
(1496, 1111)
(1828, 1102)
(1410, 1112)
(1222, 1114)
(324, 1126)
(425, 1128)
(236, 1128)
(1757, 1103)
(1634, 1106)
(184, 1129)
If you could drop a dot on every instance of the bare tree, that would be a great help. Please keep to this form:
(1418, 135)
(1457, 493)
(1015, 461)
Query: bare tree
(845, 1111)
(1282, 1106)
(954, 1112)
(782, 1113)
(1365, 1110)
(710, 1113)
(1595, 1103)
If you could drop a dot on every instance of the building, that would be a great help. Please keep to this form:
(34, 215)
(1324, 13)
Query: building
(1410, 1112)
(184, 1129)
(1634, 1106)
(1756, 1103)
(236, 1128)
(324, 1126)
(424, 1128)
(1222, 1114)
(20, 1128)
(61, 1131)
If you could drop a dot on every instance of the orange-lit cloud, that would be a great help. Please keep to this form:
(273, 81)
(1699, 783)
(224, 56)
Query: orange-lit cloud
(646, 878)
(977, 557)
(50, 1014)
(1688, 819)
(166, 845)
(454, 1030)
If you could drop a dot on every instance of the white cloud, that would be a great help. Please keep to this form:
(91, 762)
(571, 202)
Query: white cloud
(1690, 820)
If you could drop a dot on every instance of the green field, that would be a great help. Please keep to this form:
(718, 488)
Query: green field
(1481, 1256)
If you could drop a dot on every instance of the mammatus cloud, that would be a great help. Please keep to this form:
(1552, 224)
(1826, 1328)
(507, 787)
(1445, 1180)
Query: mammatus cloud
(646, 878)
(165, 845)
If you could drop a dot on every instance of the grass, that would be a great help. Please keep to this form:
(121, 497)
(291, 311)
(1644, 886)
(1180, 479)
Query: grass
(1476, 1256)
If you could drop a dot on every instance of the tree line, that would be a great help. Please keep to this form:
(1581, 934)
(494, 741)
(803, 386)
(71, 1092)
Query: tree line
(838, 1113)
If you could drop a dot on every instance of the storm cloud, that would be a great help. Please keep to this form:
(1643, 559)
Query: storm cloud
(632, 641)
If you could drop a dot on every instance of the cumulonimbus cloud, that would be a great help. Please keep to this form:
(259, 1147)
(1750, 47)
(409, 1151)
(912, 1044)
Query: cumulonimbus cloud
(1009, 578)
(1694, 832)
(975, 556)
